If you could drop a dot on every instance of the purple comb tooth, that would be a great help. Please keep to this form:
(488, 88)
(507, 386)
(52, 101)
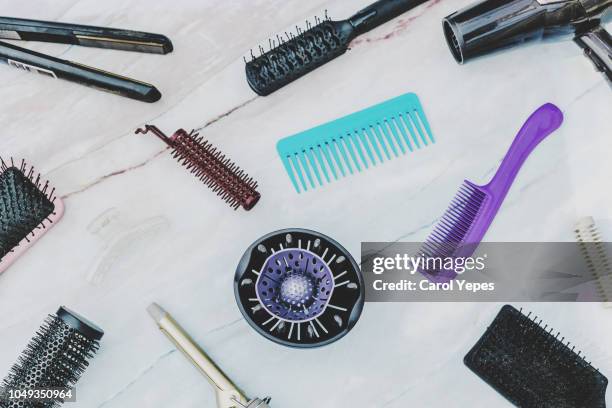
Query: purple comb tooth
(466, 221)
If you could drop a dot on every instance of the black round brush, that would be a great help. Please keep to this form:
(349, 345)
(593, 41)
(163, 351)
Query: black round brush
(54, 360)
(295, 55)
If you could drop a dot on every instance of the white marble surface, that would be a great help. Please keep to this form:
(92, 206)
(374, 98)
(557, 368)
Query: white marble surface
(139, 229)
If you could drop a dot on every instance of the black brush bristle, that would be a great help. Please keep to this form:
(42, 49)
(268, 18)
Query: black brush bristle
(55, 358)
(532, 367)
(294, 55)
(25, 204)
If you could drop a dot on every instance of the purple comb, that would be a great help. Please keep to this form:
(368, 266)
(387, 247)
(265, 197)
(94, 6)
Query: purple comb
(471, 212)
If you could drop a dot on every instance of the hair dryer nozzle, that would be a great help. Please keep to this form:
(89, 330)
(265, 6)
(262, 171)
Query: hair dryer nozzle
(453, 36)
(490, 25)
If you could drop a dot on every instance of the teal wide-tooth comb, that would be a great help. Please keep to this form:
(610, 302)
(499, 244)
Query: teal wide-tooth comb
(358, 140)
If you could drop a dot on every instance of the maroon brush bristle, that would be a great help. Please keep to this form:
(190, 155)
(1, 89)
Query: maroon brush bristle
(211, 166)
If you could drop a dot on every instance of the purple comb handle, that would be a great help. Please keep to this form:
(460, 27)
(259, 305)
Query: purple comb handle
(540, 124)
(544, 121)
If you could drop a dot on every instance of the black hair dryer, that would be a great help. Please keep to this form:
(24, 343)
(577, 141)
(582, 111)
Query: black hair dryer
(493, 24)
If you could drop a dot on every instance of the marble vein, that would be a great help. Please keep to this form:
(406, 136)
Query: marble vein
(402, 25)
(113, 174)
(119, 172)
(225, 114)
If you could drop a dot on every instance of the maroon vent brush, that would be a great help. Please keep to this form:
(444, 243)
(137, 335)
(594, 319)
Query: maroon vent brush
(210, 166)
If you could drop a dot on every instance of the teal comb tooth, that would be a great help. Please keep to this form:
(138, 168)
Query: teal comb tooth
(381, 141)
(364, 141)
(408, 124)
(321, 163)
(313, 165)
(355, 142)
(348, 141)
(357, 148)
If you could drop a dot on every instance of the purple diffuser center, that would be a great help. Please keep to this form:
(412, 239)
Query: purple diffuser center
(295, 285)
(296, 289)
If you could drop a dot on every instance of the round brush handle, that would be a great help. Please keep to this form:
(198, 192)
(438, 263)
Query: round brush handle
(540, 124)
(379, 13)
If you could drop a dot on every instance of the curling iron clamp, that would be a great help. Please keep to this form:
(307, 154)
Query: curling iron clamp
(88, 36)
(228, 395)
(490, 25)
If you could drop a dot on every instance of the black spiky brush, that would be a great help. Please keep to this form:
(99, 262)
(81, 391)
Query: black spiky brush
(52, 362)
(534, 368)
(28, 208)
(295, 55)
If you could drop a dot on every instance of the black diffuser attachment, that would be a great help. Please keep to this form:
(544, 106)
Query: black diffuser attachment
(54, 359)
(532, 366)
(299, 288)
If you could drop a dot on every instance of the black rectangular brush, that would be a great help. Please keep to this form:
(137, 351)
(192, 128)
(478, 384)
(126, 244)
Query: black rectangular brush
(534, 368)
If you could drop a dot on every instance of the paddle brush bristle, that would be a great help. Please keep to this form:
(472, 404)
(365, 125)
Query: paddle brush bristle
(532, 367)
(28, 206)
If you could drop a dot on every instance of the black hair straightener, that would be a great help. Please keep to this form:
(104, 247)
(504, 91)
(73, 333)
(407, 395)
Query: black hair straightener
(89, 36)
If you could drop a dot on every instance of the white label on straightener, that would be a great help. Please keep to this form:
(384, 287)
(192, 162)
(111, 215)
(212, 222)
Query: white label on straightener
(10, 35)
(31, 68)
